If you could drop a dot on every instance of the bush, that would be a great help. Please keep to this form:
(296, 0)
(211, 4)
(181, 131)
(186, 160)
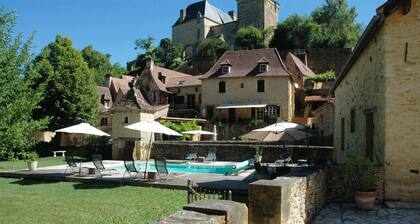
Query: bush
(324, 77)
(30, 156)
(360, 172)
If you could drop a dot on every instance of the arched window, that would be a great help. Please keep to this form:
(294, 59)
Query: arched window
(261, 86)
(222, 87)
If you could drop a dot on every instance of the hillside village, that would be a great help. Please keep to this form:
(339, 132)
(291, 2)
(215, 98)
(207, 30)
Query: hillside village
(342, 102)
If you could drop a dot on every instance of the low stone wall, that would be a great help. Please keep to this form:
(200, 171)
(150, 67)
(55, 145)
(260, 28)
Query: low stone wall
(239, 150)
(296, 198)
(209, 212)
(340, 192)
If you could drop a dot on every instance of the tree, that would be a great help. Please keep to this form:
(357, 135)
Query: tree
(295, 32)
(208, 51)
(70, 96)
(100, 64)
(337, 25)
(249, 38)
(145, 50)
(168, 55)
(17, 100)
(181, 127)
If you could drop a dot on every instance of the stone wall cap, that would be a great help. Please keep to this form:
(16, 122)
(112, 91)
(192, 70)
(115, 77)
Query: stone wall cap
(234, 212)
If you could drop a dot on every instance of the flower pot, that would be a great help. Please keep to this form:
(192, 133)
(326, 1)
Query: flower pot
(365, 200)
(258, 159)
(32, 165)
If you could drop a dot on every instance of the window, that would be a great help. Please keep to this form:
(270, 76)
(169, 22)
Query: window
(179, 90)
(260, 114)
(106, 104)
(261, 86)
(352, 120)
(104, 121)
(196, 89)
(272, 111)
(179, 100)
(225, 69)
(343, 135)
(199, 98)
(121, 144)
(222, 87)
(263, 68)
(125, 121)
(161, 77)
(242, 85)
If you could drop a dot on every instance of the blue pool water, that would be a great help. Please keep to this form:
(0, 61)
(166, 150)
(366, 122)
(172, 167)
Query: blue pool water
(193, 168)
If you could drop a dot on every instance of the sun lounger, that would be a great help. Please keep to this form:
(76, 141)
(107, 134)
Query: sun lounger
(161, 169)
(211, 155)
(71, 163)
(192, 155)
(130, 168)
(97, 162)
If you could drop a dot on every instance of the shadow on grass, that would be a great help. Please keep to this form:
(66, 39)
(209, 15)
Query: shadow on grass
(87, 186)
(26, 182)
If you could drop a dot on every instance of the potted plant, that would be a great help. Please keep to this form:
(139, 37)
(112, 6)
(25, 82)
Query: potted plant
(360, 173)
(258, 154)
(31, 159)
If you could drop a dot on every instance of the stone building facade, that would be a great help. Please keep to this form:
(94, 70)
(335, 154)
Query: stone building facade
(377, 98)
(202, 20)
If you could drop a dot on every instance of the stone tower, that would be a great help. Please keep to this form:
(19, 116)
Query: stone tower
(259, 13)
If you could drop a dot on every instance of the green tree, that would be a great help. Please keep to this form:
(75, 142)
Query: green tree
(249, 38)
(145, 49)
(295, 32)
(17, 100)
(168, 55)
(70, 96)
(181, 127)
(100, 64)
(337, 25)
(208, 51)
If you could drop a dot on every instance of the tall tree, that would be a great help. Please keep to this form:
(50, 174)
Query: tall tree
(145, 49)
(337, 25)
(17, 101)
(295, 32)
(70, 96)
(208, 51)
(168, 55)
(249, 38)
(100, 64)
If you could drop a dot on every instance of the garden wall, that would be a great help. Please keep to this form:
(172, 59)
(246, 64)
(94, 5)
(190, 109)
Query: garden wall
(239, 150)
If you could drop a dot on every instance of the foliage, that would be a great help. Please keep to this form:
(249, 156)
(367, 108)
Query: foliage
(37, 201)
(360, 172)
(30, 156)
(168, 55)
(259, 151)
(325, 77)
(70, 95)
(295, 32)
(181, 127)
(249, 38)
(329, 26)
(17, 100)
(208, 51)
(145, 49)
(100, 64)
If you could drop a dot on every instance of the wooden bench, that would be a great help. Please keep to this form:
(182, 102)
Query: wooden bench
(62, 153)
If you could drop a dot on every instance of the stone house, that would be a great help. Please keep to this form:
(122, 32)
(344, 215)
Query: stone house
(248, 85)
(105, 105)
(162, 86)
(203, 20)
(377, 98)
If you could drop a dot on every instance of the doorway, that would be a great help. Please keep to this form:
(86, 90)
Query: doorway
(370, 131)
(232, 115)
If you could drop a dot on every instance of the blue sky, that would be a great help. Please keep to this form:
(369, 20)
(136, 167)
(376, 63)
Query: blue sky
(112, 26)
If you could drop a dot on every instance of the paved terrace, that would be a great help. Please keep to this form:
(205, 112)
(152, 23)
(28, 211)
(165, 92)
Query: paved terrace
(238, 184)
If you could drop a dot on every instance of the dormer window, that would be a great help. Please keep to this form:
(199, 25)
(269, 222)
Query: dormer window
(161, 77)
(225, 69)
(263, 68)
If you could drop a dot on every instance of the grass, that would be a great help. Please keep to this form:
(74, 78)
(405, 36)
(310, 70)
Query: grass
(30, 201)
(20, 164)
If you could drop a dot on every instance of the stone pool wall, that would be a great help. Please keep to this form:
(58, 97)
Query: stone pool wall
(238, 150)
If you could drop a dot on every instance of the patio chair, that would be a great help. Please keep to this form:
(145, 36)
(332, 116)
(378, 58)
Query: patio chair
(211, 155)
(192, 155)
(161, 168)
(130, 167)
(97, 162)
(71, 163)
(284, 159)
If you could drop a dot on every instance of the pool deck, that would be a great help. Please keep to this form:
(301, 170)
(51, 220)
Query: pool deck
(238, 184)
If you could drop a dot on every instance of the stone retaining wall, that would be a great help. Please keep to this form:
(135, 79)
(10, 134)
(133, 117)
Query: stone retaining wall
(239, 151)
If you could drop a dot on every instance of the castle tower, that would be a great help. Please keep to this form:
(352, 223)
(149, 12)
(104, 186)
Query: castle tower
(259, 13)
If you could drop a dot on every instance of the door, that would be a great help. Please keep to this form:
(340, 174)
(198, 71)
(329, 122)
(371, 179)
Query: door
(370, 130)
(232, 115)
(191, 101)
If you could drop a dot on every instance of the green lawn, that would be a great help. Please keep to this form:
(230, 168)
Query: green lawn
(20, 164)
(29, 201)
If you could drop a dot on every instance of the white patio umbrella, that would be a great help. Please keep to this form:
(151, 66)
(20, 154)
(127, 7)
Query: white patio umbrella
(198, 132)
(151, 127)
(281, 126)
(280, 131)
(84, 129)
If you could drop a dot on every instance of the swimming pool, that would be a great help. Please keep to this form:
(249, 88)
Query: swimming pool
(186, 167)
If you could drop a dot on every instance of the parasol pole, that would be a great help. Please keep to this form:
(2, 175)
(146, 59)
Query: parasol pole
(148, 154)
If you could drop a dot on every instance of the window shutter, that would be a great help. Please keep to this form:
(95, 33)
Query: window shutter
(278, 111)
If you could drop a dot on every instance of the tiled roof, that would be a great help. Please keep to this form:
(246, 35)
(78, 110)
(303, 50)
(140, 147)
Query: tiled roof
(207, 10)
(293, 61)
(121, 83)
(173, 78)
(316, 99)
(244, 63)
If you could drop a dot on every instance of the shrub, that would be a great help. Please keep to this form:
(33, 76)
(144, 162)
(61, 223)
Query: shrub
(360, 172)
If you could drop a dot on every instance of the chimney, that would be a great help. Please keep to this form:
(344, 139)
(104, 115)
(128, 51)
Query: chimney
(232, 15)
(149, 64)
(182, 14)
(108, 80)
